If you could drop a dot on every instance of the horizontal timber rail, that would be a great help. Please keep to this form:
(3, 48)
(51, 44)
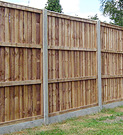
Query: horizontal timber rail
(111, 26)
(23, 45)
(72, 109)
(16, 83)
(72, 18)
(71, 48)
(72, 79)
(113, 100)
(111, 51)
(21, 120)
(20, 7)
(111, 76)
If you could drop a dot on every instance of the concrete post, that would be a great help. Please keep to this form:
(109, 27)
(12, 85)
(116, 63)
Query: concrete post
(45, 67)
(99, 65)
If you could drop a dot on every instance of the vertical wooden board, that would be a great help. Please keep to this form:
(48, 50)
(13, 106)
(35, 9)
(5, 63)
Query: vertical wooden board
(78, 64)
(30, 100)
(66, 34)
(73, 96)
(72, 35)
(89, 68)
(60, 32)
(50, 99)
(21, 28)
(63, 32)
(12, 102)
(80, 34)
(29, 63)
(75, 63)
(76, 93)
(69, 65)
(34, 73)
(2, 66)
(7, 73)
(49, 30)
(79, 94)
(84, 65)
(54, 97)
(21, 64)
(25, 77)
(77, 34)
(93, 36)
(84, 93)
(57, 98)
(103, 87)
(30, 27)
(33, 28)
(12, 25)
(25, 101)
(25, 28)
(7, 29)
(66, 64)
(60, 64)
(63, 64)
(7, 106)
(12, 63)
(83, 35)
(16, 79)
(34, 64)
(41, 97)
(49, 64)
(29, 66)
(16, 26)
(74, 31)
(63, 96)
(60, 95)
(37, 28)
(41, 29)
(37, 99)
(20, 102)
(53, 31)
(2, 24)
(66, 96)
(2, 105)
(57, 31)
(70, 94)
(57, 64)
(38, 53)
(86, 36)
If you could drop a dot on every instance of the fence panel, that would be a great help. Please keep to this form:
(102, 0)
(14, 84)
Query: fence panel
(20, 64)
(112, 62)
(72, 63)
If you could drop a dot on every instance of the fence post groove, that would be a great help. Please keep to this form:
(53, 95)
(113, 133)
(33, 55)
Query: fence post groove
(45, 67)
(99, 65)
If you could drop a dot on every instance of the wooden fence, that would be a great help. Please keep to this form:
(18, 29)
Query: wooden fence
(72, 63)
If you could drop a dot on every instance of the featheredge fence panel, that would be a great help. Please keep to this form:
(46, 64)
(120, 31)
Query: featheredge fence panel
(21, 96)
(112, 63)
(72, 69)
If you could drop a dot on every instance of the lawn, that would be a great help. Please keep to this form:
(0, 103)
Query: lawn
(107, 122)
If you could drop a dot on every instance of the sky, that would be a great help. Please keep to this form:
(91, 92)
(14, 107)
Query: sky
(80, 8)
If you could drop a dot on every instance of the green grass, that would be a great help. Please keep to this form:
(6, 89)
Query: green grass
(86, 125)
